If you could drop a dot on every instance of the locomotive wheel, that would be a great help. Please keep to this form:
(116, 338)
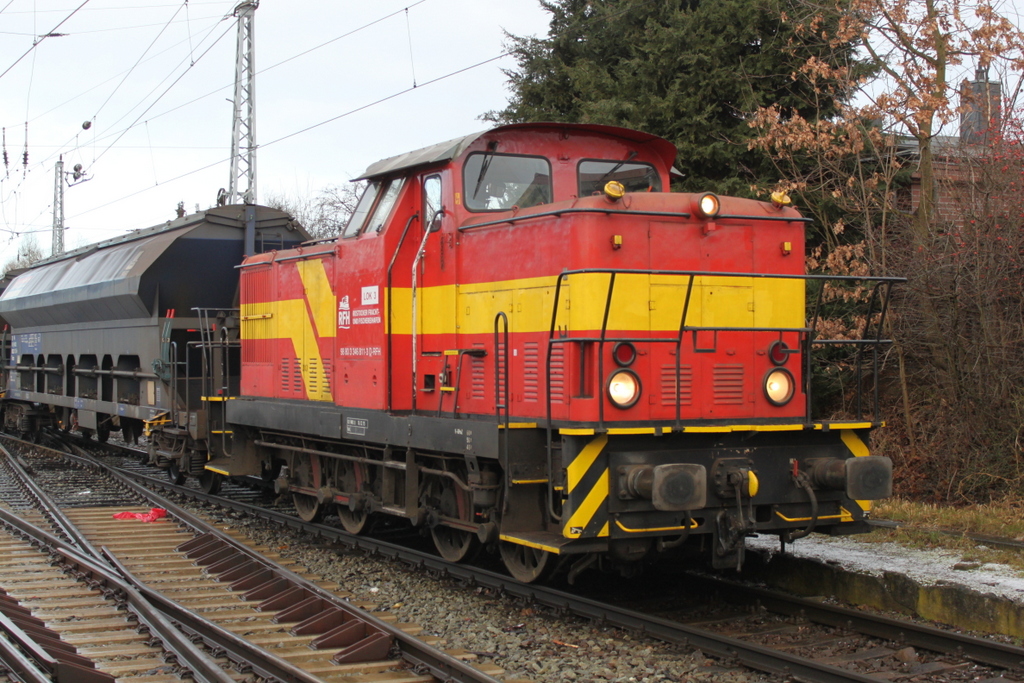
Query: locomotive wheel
(454, 545)
(210, 482)
(526, 564)
(351, 476)
(175, 474)
(309, 509)
(352, 522)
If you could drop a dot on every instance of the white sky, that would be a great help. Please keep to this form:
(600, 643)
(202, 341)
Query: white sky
(161, 129)
(119, 58)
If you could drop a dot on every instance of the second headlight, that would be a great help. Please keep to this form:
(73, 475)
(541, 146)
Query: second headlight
(623, 388)
(779, 386)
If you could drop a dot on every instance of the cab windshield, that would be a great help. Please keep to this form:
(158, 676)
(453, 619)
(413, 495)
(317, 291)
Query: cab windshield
(497, 182)
(635, 177)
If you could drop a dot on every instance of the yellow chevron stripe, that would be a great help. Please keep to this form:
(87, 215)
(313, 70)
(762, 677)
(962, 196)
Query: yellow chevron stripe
(590, 506)
(859, 450)
(322, 302)
(297, 323)
(584, 461)
(854, 443)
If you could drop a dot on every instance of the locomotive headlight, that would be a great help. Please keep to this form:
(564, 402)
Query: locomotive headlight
(706, 205)
(778, 386)
(623, 388)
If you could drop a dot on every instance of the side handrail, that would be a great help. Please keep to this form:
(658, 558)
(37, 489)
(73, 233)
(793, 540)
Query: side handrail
(391, 309)
(501, 400)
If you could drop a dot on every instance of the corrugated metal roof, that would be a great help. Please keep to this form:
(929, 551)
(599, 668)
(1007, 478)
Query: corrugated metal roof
(186, 262)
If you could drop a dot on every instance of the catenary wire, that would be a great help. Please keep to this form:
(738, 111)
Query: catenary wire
(304, 130)
(113, 29)
(139, 60)
(46, 35)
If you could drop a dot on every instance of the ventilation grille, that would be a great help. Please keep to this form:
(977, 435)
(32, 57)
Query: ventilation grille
(729, 385)
(478, 378)
(327, 378)
(499, 361)
(557, 382)
(668, 385)
(291, 376)
(313, 378)
(531, 372)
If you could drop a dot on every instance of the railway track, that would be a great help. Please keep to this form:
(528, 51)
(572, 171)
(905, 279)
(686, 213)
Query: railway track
(267, 620)
(768, 631)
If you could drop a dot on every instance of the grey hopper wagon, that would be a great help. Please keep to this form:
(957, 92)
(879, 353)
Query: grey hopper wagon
(109, 336)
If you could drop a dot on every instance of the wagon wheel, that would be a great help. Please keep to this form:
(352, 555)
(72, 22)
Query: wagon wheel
(527, 564)
(350, 479)
(454, 545)
(175, 474)
(210, 482)
(102, 429)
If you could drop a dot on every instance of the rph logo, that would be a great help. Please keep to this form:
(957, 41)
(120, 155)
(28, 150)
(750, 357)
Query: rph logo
(344, 314)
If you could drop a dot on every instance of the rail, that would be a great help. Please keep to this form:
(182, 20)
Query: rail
(281, 587)
(717, 645)
(200, 664)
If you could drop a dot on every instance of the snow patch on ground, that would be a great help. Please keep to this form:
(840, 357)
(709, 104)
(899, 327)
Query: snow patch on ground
(928, 567)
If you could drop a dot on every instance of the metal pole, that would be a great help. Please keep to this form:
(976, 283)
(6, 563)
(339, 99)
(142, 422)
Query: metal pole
(58, 208)
(242, 186)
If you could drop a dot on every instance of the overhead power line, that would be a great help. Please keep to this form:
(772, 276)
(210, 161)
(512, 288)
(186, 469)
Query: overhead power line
(43, 37)
(303, 130)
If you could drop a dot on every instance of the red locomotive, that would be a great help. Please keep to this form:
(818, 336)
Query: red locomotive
(523, 339)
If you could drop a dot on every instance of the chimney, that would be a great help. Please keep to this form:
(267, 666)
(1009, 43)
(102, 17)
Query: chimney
(982, 108)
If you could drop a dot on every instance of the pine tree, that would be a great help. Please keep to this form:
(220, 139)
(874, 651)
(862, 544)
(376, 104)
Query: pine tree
(689, 70)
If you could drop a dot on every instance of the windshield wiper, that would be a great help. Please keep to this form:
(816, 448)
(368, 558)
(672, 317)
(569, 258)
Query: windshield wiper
(484, 165)
(616, 167)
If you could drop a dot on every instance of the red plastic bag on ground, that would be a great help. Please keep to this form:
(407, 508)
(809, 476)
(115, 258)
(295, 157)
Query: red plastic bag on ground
(151, 516)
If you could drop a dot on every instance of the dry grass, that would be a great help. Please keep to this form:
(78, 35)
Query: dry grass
(933, 526)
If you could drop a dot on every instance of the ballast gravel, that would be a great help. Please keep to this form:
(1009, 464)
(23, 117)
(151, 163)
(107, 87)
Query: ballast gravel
(530, 643)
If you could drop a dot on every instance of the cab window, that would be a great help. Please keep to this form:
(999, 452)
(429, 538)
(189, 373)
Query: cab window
(432, 202)
(372, 213)
(497, 182)
(384, 206)
(358, 218)
(635, 177)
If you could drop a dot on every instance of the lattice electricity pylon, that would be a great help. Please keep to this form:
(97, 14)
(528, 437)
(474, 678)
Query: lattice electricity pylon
(242, 187)
(58, 208)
